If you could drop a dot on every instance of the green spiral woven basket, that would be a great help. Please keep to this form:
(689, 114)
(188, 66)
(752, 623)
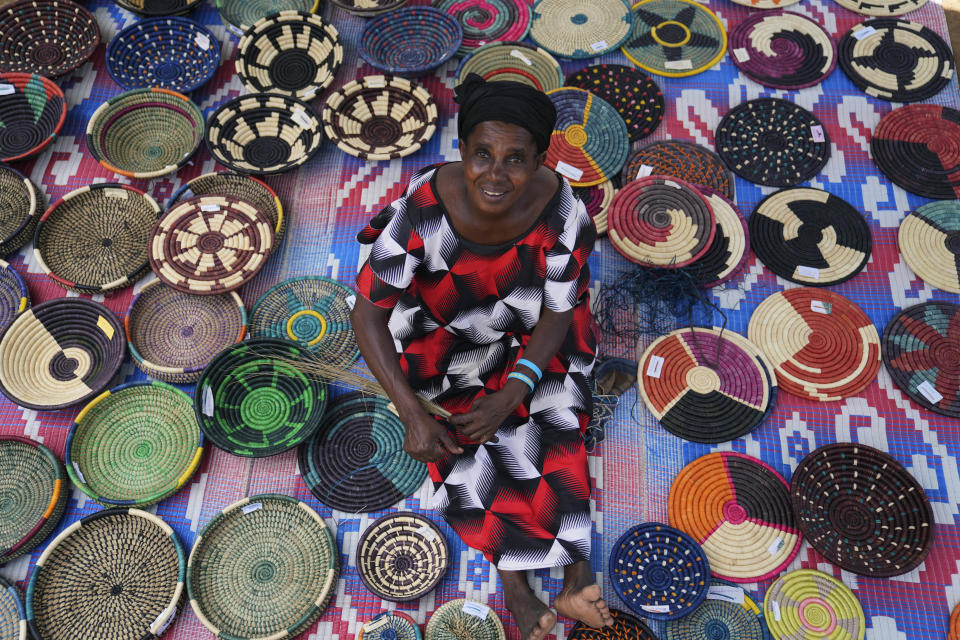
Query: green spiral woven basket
(264, 567)
(464, 620)
(239, 15)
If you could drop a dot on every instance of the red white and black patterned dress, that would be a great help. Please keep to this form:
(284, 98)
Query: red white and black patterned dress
(462, 315)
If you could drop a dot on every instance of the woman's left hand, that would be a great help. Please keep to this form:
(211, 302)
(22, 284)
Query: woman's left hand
(488, 413)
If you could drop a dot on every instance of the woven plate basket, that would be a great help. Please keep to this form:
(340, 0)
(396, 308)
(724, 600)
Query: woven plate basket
(32, 112)
(239, 15)
(34, 481)
(516, 61)
(134, 445)
(460, 619)
(13, 617)
(145, 133)
(14, 296)
(402, 556)
(21, 204)
(368, 8)
(411, 41)
(158, 7)
(269, 554)
(72, 35)
(390, 625)
(123, 561)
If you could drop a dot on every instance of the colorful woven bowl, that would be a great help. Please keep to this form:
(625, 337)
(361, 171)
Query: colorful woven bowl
(263, 133)
(783, 50)
(252, 400)
(71, 36)
(268, 554)
(411, 41)
(680, 159)
(96, 239)
(368, 8)
(624, 627)
(240, 15)
(516, 61)
(158, 7)
(573, 29)
(597, 200)
(464, 619)
(33, 480)
(862, 510)
(589, 143)
(60, 353)
(134, 445)
(390, 625)
(881, 7)
(173, 335)
(727, 613)
(123, 561)
(210, 245)
(14, 296)
(145, 133)
(634, 95)
(292, 53)
(731, 243)
(21, 204)
(402, 556)
(13, 616)
(675, 38)
(811, 604)
(355, 462)
(766, 4)
(489, 21)
(380, 117)
(32, 111)
(170, 53)
(312, 311)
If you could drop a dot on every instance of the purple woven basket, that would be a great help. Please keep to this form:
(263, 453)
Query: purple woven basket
(783, 50)
(410, 41)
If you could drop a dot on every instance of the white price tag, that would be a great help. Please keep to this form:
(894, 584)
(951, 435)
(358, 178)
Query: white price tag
(76, 468)
(202, 41)
(350, 300)
(775, 547)
(309, 93)
(427, 532)
(817, 132)
(678, 64)
(818, 306)
(599, 45)
(376, 623)
(250, 508)
(929, 392)
(655, 366)
(569, 171)
(301, 118)
(170, 613)
(808, 272)
(516, 53)
(207, 400)
(116, 193)
(741, 54)
(866, 32)
(656, 608)
(7, 89)
(476, 609)
(776, 610)
(209, 207)
(645, 170)
(726, 593)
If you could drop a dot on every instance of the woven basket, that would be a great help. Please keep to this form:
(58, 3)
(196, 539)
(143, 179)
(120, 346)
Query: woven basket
(263, 133)
(782, 49)
(954, 630)
(811, 604)
(96, 239)
(411, 41)
(380, 117)
(728, 613)
(21, 204)
(59, 353)
(145, 133)
(292, 53)
(172, 335)
(589, 143)
(72, 35)
(312, 311)
(881, 7)
(402, 556)
(634, 95)
(32, 111)
(730, 248)
(929, 240)
(675, 38)
(171, 53)
(13, 616)
(368, 8)
(597, 201)
(575, 29)
(158, 7)
(624, 627)
(489, 21)
(680, 159)
(34, 482)
(115, 575)
(253, 402)
(268, 554)
(240, 15)
(134, 445)
(390, 625)
(459, 619)
(14, 296)
(516, 61)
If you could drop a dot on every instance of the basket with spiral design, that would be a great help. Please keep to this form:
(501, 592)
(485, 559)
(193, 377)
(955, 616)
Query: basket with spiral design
(70, 35)
(410, 41)
(32, 112)
(14, 296)
(488, 21)
(96, 239)
(811, 604)
(13, 617)
(575, 29)
(239, 15)
(460, 619)
(158, 7)
(516, 61)
(390, 625)
(402, 556)
(21, 204)
(728, 613)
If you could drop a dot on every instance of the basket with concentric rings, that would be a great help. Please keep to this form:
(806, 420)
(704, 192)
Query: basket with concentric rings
(368, 8)
(35, 485)
(14, 296)
(158, 7)
(575, 29)
(96, 239)
(173, 335)
(72, 35)
(675, 38)
(380, 117)
(21, 204)
(589, 143)
(597, 201)
(402, 556)
(410, 41)
(680, 159)
(123, 561)
(267, 553)
(516, 61)
(253, 401)
(728, 613)
(13, 616)
(634, 95)
(731, 244)
(464, 619)
(782, 49)
(240, 15)
(806, 603)
(490, 21)
(170, 53)
(32, 112)
(390, 625)
(59, 353)
(624, 627)
(263, 133)
(134, 445)
(292, 53)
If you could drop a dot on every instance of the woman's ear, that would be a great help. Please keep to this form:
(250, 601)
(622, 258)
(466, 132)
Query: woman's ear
(461, 147)
(541, 158)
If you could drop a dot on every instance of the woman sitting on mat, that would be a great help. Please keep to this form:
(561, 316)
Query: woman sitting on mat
(474, 295)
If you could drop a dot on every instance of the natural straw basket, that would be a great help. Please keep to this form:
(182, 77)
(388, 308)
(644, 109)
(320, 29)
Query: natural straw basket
(783, 50)
(158, 7)
(21, 204)
(811, 604)
(390, 625)
(32, 112)
(573, 29)
(589, 143)
(929, 240)
(240, 15)
(634, 95)
(14, 296)
(411, 41)
(516, 61)
(490, 21)
(13, 616)
(731, 243)
(459, 619)
(402, 556)
(46, 37)
(96, 239)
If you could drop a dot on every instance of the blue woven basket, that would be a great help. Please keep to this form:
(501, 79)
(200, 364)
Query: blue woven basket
(410, 41)
(172, 53)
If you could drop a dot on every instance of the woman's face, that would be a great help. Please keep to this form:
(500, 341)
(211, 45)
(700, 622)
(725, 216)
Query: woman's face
(499, 160)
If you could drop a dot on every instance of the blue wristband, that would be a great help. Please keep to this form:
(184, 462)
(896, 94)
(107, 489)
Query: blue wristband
(532, 367)
(516, 375)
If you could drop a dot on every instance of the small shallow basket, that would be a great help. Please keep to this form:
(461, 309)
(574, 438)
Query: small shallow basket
(380, 117)
(145, 133)
(390, 625)
(402, 556)
(576, 29)
(13, 615)
(123, 561)
(269, 554)
(158, 7)
(464, 619)
(134, 445)
(516, 61)
(490, 21)
(173, 335)
(410, 41)
(72, 35)
(292, 53)
(21, 204)
(96, 239)
(33, 479)
(589, 143)
(239, 15)
(263, 133)
(171, 53)
(805, 603)
(14, 296)
(59, 353)
(368, 8)
(32, 111)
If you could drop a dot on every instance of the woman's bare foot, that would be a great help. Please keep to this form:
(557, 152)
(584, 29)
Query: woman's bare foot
(534, 619)
(581, 598)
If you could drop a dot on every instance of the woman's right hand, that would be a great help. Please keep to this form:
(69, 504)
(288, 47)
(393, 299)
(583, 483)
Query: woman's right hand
(427, 440)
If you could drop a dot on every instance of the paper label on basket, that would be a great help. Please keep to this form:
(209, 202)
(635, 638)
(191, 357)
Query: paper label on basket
(866, 32)
(817, 132)
(656, 608)
(7, 89)
(76, 468)
(775, 547)
(776, 610)
(301, 118)
(569, 171)
(678, 64)
(741, 54)
(819, 306)
(104, 325)
(808, 272)
(655, 366)
(170, 613)
(250, 508)
(929, 392)
(350, 300)
(376, 624)
(309, 93)
(599, 45)
(116, 193)
(209, 207)
(427, 532)
(202, 41)
(516, 53)
(207, 400)
(476, 609)
(645, 170)
(726, 593)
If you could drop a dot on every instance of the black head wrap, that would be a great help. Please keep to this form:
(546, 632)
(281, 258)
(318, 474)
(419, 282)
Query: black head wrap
(505, 101)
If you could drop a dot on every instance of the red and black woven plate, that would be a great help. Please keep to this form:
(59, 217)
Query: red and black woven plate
(918, 148)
